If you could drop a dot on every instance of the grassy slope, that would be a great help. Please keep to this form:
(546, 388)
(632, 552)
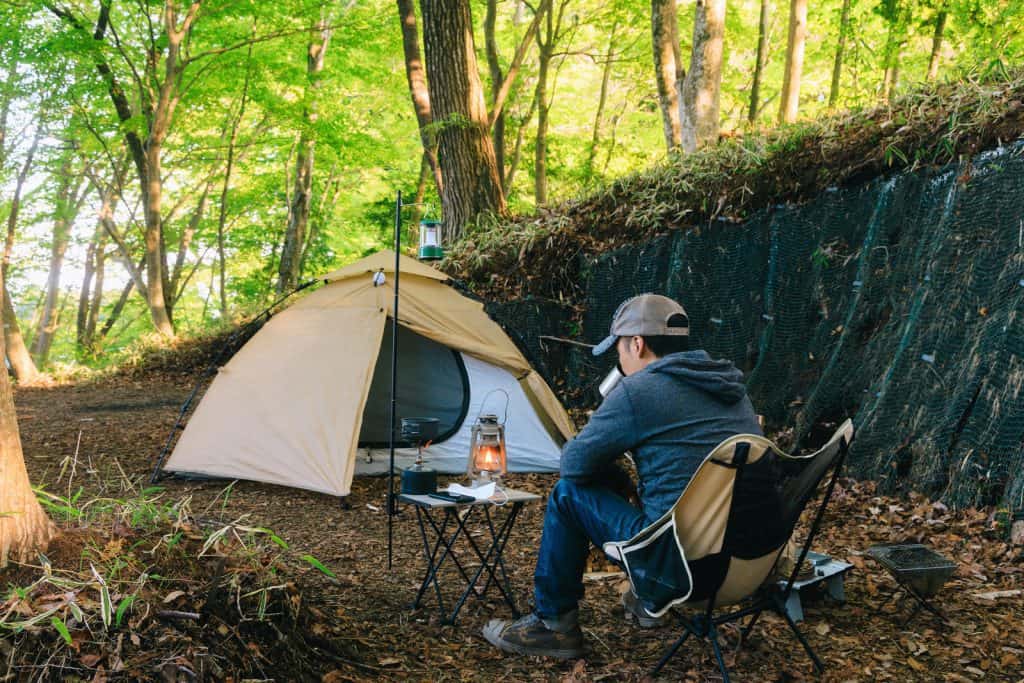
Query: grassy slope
(534, 255)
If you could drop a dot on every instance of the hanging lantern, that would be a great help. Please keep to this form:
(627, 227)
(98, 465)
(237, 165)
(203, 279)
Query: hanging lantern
(487, 457)
(430, 241)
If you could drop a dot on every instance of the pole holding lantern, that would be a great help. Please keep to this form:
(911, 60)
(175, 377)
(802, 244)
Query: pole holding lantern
(430, 250)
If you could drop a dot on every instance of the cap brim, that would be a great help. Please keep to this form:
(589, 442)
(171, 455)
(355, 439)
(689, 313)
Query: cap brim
(608, 343)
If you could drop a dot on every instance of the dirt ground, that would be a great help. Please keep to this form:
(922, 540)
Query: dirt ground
(110, 432)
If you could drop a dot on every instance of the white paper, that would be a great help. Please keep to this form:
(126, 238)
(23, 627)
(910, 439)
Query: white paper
(480, 492)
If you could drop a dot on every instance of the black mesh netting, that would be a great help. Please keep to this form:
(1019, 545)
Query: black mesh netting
(898, 302)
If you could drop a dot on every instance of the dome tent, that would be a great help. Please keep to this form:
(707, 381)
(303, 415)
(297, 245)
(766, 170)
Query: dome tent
(305, 402)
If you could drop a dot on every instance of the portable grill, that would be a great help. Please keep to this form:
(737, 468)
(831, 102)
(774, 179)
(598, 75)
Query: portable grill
(917, 569)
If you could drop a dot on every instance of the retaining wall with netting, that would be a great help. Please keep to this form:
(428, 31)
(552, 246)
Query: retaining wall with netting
(897, 302)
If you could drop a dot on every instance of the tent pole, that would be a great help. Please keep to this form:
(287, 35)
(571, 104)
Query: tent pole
(394, 379)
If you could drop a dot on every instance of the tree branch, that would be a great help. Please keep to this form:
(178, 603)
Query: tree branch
(513, 70)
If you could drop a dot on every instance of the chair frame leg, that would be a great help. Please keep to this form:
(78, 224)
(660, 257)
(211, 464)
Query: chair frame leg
(703, 626)
(671, 652)
(818, 666)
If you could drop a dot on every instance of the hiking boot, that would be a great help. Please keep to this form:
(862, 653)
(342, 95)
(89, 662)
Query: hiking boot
(529, 635)
(635, 612)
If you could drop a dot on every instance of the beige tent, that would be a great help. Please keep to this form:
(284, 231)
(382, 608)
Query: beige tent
(305, 402)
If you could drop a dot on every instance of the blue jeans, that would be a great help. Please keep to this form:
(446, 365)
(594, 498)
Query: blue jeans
(577, 514)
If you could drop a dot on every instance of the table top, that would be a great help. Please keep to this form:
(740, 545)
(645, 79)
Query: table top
(514, 496)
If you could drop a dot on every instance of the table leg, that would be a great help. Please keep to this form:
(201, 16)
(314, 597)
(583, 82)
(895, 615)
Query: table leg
(434, 563)
(449, 544)
(500, 561)
(496, 549)
(430, 555)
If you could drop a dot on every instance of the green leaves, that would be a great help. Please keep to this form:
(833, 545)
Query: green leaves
(59, 626)
(319, 566)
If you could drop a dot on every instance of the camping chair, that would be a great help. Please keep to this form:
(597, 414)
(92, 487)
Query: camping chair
(721, 540)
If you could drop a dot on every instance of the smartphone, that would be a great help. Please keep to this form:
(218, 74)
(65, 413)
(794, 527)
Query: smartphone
(452, 497)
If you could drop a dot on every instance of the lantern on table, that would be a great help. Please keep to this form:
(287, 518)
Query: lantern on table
(487, 455)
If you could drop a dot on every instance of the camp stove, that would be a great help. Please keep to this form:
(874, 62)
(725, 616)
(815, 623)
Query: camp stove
(419, 479)
(917, 569)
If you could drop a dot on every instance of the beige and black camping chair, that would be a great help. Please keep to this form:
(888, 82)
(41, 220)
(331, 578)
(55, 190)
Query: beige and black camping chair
(720, 541)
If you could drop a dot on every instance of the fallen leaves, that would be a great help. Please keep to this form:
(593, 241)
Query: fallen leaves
(363, 630)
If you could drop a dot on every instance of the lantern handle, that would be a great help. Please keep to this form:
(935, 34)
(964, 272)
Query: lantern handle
(508, 400)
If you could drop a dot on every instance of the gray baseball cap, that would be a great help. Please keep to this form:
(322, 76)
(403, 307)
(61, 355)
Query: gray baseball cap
(646, 315)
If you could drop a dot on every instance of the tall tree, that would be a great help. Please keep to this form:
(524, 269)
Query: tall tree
(668, 68)
(71, 192)
(837, 66)
(602, 99)
(297, 230)
(546, 42)
(222, 215)
(24, 527)
(501, 83)
(762, 59)
(157, 62)
(416, 76)
(790, 103)
(472, 185)
(897, 14)
(940, 28)
(17, 351)
(701, 91)
(494, 69)
(90, 297)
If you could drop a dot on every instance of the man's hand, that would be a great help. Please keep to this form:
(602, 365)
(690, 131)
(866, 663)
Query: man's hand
(618, 480)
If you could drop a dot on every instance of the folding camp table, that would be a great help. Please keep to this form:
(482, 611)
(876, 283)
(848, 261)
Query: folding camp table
(447, 522)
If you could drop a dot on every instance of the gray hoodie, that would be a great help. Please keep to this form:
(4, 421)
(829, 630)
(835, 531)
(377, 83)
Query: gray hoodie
(670, 415)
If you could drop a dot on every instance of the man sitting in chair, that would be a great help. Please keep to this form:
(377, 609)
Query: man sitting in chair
(673, 406)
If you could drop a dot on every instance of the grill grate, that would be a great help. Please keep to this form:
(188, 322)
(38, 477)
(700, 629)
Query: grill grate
(915, 565)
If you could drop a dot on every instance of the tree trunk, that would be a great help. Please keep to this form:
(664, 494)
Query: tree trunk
(933, 63)
(667, 67)
(790, 102)
(894, 10)
(159, 82)
(185, 243)
(329, 200)
(540, 147)
(602, 100)
(223, 212)
(416, 76)
(494, 69)
(118, 308)
(699, 115)
(97, 295)
(837, 66)
(91, 268)
(289, 269)
(64, 215)
(472, 185)
(17, 352)
(24, 527)
(517, 150)
(762, 60)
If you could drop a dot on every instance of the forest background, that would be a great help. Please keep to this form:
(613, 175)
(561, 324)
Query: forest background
(170, 168)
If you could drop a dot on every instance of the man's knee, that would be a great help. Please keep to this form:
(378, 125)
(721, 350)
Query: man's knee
(563, 494)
